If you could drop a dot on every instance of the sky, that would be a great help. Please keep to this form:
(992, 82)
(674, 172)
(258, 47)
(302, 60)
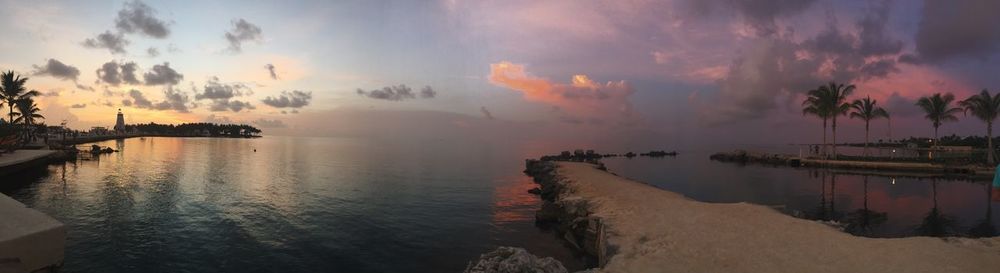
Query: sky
(677, 73)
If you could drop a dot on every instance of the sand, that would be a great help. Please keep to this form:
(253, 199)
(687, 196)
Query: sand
(653, 230)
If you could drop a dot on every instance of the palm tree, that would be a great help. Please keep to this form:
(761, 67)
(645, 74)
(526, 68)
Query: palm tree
(27, 112)
(836, 102)
(815, 104)
(12, 89)
(985, 107)
(939, 110)
(867, 109)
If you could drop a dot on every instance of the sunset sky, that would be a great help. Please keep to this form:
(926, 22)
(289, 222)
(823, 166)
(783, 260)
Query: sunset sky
(683, 72)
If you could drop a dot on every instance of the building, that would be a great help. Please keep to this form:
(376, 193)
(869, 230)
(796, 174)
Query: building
(120, 123)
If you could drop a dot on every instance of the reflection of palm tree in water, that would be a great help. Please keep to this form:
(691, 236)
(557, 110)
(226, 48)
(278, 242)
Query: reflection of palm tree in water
(985, 226)
(862, 220)
(935, 223)
(823, 212)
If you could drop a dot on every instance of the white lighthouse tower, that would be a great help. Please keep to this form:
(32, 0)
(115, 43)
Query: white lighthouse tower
(120, 123)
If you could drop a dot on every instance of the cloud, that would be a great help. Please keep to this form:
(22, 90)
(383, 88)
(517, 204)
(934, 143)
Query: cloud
(115, 74)
(269, 123)
(152, 52)
(270, 69)
(293, 99)
(212, 118)
(958, 29)
(162, 74)
(78, 106)
(777, 69)
(84, 87)
(51, 93)
(398, 93)
(220, 105)
(175, 100)
(581, 99)
(427, 92)
(242, 31)
(758, 14)
(486, 113)
(137, 17)
(138, 100)
(215, 90)
(114, 42)
(58, 70)
(899, 106)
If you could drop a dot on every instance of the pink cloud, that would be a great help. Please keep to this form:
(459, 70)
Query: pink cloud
(581, 100)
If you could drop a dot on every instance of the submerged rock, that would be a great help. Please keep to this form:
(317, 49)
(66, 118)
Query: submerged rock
(514, 260)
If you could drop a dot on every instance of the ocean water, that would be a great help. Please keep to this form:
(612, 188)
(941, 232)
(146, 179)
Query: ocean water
(293, 205)
(289, 204)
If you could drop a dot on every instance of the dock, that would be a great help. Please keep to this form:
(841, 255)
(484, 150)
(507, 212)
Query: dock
(30, 241)
(23, 159)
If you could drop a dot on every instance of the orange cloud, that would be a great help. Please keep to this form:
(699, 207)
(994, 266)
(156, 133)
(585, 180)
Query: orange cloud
(581, 100)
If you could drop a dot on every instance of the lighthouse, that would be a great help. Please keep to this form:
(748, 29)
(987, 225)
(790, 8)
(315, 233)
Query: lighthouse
(120, 123)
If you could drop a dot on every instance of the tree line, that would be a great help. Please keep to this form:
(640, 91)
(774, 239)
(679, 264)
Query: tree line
(830, 101)
(195, 129)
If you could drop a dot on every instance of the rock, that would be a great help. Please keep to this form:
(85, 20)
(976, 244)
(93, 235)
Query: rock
(514, 260)
(535, 191)
(548, 213)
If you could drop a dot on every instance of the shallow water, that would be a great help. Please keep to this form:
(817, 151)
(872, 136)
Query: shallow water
(896, 206)
(293, 205)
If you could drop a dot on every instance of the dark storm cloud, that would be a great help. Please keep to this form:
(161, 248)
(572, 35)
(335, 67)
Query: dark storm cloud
(137, 17)
(397, 93)
(230, 105)
(270, 69)
(115, 74)
(486, 113)
(78, 106)
(57, 69)
(242, 31)
(955, 29)
(269, 123)
(294, 99)
(760, 14)
(215, 90)
(113, 42)
(771, 71)
(162, 74)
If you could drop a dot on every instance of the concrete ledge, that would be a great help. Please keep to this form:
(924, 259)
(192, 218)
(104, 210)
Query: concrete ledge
(30, 241)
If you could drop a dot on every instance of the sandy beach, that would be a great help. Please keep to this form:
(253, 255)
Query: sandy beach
(653, 230)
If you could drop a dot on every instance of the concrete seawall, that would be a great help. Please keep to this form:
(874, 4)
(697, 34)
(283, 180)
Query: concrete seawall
(30, 241)
(635, 227)
(22, 159)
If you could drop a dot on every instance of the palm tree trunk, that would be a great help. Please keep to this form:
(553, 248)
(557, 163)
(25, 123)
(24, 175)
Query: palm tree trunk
(866, 138)
(834, 132)
(989, 142)
(823, 152)
(936, 140)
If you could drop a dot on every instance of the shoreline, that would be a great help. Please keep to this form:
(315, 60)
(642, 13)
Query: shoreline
(903, 168)
(85, 140)
(634, 227)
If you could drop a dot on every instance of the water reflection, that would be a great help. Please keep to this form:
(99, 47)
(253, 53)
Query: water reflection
(863, 203)
(863, 220)
(985, 227)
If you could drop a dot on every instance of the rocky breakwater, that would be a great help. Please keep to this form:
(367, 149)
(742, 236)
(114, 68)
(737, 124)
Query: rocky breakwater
(741, 156)
(572, 215)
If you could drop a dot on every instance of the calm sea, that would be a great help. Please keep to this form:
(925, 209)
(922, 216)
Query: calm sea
(293, 205)
(284, 204)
